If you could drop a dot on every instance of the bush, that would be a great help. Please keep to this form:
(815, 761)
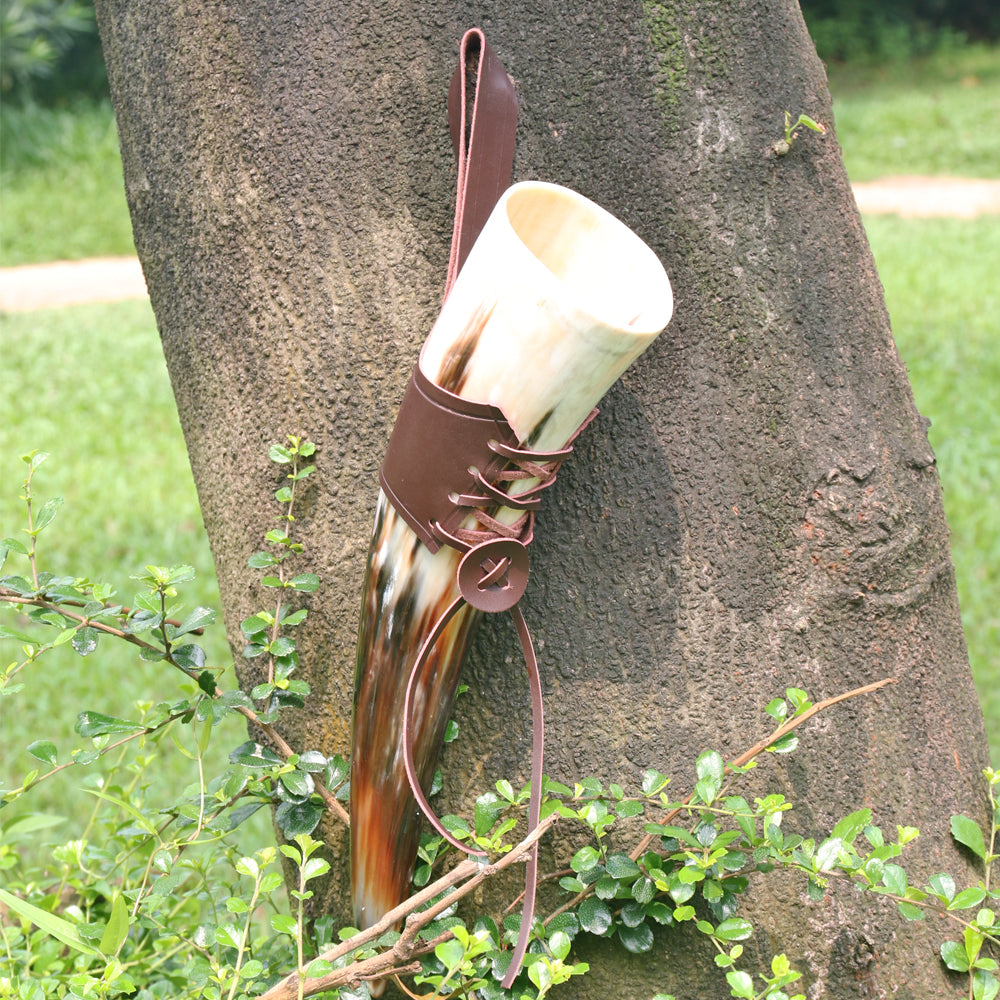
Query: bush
(851, 30)
(51, 50)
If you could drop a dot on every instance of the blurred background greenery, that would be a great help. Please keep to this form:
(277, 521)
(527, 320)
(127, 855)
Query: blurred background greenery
(916, 87)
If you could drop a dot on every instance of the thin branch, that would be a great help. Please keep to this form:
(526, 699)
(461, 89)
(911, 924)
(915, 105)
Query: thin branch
(740, 761)
(758, 748)
(464, 878)
(249, 714)
(13, 597)
(140, 731)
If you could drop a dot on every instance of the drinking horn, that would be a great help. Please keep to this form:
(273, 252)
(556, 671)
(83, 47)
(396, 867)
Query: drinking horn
(553, 302)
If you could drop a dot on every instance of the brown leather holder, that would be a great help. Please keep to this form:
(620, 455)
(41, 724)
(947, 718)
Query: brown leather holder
(437, 439)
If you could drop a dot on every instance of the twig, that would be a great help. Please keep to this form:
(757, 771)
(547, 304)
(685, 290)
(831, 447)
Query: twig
(744, 758)
(465, 877)
(759, 748)
(248, 713)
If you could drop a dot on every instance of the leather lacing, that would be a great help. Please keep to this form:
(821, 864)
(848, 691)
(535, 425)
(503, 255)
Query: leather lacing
(538, 465)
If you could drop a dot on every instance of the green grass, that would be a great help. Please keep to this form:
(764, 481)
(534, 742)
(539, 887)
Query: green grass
(61, 178)
(935, 115)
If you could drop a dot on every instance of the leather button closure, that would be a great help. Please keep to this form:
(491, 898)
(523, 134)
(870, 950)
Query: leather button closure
(493, 575)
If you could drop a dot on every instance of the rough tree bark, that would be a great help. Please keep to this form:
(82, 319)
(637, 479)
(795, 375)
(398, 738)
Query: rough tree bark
(757, 505)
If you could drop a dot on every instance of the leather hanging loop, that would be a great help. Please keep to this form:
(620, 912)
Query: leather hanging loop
(444, 446)
(484, 145)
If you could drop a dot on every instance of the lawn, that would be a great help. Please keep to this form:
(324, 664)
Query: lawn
(89, 384)
(61, 175)
(935, 115)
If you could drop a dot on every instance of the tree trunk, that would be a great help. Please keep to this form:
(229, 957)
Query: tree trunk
(757, 505)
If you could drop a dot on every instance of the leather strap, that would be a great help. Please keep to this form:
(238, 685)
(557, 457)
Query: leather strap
(486, 154)
(537, 755)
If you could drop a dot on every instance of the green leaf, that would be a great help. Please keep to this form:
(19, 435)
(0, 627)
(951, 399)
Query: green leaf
(784, 744)
(594, 916)
(909, 911)
(314, 867)
(636, 939)
(281, 647)
(251, 754)
(117, 928)
(488, 810)
(57, 927)
(298, 783)
(628, 809)
(311, 760)
(967, 832)
(30, 823)
(259, 560)
(894, 879)
(6, 632)
(942, 885)
(206, 681)
(191, 657)
(198, 618)
(18, 584)
(777, 709)
(229, 936)
(85, 640)
(643, 890)
(13, 545)
(584, 859)
(96, 724)
(734, 929)
(850, 826)
(710, 765)
(559, 945)
(660, 912)
(284, 924)
(280, 454)
(44, 750)
(304, 582)
(653, 782)
(270, 882)
(968, 898)
(828, 853)
(45, 514)
(621, 866)
(984, 985)
(953, 955)
(677, 832)
(294, 818)
(450, 952)
(254, 625)
(740, 984)
(606, 887)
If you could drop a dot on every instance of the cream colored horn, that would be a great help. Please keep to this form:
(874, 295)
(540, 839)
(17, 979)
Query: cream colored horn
(556, 299)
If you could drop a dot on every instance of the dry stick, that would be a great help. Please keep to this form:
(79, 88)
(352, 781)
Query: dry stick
(464, 877)
(744, 758)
